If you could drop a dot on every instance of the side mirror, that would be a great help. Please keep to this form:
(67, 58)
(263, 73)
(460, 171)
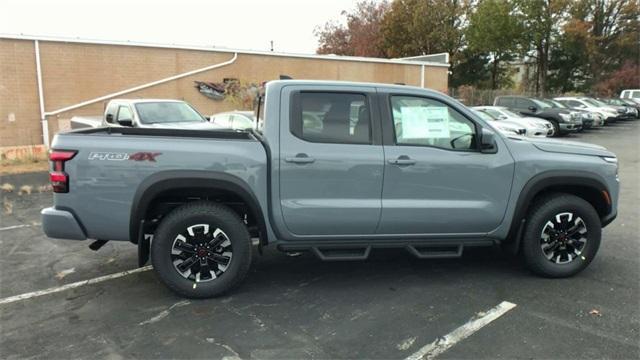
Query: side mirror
(125, 122)
(533, 108)
(488, 141)
(109, 118)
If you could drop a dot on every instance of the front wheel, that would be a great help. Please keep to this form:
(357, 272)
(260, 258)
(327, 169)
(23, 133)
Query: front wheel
(201, 250)
(562, 235)
(556, 129)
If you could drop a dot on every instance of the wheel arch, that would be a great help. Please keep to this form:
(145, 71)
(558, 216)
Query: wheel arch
(586, 185)
(160, 183)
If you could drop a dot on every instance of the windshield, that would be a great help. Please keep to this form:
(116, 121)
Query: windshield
(541, 104)
(510, 113)
(594, 102)
(557, 104)
(483, 115)
(167, 112)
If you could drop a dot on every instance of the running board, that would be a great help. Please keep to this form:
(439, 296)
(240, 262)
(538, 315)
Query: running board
(342, 253)
(435, 251)
(360, 250)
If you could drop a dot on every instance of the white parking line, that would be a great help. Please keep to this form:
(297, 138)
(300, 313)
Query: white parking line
(476, 323)
(74, 285)
(18, 226)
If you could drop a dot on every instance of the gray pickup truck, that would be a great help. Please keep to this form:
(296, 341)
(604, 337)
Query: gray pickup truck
(338, 169)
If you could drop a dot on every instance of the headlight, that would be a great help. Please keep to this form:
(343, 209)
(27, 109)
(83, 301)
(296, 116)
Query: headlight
(565, 117)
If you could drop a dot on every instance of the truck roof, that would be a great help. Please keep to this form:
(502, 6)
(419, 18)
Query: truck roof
(137, 101)
(350, 83)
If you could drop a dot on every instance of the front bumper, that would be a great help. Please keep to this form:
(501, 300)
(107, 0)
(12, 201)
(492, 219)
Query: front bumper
(569, 127)
(61, 224)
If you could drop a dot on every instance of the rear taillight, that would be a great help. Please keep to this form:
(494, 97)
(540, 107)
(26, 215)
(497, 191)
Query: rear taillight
(58, 178)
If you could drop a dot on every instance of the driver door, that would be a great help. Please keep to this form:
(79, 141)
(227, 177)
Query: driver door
(436, 181)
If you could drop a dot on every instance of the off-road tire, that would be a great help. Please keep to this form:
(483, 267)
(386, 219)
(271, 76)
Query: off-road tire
(217, 216)
(545, 209)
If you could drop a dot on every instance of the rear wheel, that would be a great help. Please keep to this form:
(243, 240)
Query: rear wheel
(201, 250)
(562, 235)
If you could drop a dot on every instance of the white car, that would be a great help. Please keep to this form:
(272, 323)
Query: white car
(608, 112)
(631, 94)
(534, 127)
(504, 126)
(236, 120)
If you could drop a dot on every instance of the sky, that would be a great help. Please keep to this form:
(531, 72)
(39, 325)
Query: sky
(240, 24)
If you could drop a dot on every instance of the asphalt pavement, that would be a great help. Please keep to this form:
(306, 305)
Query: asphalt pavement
(388, 307)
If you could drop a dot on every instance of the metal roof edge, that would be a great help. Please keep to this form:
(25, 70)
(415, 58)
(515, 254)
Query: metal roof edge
(224, 50)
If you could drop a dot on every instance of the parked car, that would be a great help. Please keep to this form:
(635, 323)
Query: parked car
(609, 114)
(590, 119)
(564, 121)
(236, 120)
(153, 113)
(631, 94)
(625, 112)
(450, 181)
(535, 127)
(631, 106)
(506, 127)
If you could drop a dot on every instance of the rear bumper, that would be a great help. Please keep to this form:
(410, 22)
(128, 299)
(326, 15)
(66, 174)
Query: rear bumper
(61, 224)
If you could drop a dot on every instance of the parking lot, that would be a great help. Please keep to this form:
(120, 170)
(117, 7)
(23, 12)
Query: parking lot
(390, 306)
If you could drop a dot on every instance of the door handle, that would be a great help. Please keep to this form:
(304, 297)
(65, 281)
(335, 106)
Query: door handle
(402, 161)
(300, 159)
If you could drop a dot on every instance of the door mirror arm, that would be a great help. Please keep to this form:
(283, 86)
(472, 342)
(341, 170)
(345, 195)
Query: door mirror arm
(125, 122)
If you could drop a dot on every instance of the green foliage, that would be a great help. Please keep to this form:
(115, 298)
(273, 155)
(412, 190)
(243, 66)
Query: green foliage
(495, 28)
(572, 45)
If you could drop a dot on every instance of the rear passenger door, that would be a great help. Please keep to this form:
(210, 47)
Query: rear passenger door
(331, 161)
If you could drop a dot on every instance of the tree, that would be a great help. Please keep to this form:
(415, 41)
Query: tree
(416, 27)
(542, 20)
(359, 36)
(627, 77)
(494, 28)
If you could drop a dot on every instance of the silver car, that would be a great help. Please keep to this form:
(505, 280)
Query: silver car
(534, 127)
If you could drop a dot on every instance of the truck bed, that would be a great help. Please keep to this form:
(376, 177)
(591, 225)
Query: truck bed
(112, 165)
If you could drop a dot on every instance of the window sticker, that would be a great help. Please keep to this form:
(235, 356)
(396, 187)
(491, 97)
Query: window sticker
(425, 122)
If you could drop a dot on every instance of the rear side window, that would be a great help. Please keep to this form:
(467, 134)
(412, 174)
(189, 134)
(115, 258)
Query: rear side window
(523, 103)
(331, 117)
(505, 101)
(124, 113)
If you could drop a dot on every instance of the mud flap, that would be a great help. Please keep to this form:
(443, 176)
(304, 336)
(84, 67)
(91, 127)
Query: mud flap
(144, 243)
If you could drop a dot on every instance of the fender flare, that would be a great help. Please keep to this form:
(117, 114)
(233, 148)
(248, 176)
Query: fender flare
(543, 181)
(159, 182)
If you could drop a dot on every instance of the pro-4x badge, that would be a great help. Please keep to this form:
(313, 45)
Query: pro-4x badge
(112, 156)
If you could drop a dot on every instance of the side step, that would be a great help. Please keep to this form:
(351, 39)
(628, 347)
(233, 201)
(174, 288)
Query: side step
(341, 253)
(435, 251)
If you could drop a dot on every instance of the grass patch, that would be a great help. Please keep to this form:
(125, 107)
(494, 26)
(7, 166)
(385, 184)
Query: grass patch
(31, 163)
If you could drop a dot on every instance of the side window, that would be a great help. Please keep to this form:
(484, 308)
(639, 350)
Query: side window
(523, 103)
(124, 113)
(506, 102)
(421, 121)
(331, 118)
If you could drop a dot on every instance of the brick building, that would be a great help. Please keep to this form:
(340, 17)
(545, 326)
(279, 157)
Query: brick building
(54, 79)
